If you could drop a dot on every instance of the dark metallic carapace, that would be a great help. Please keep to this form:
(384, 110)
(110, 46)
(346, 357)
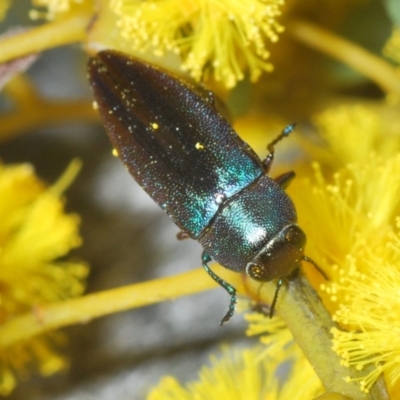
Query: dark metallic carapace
(188, 158)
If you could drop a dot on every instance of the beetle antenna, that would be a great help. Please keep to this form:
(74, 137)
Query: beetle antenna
(280, 282)
(274, 300)
(316, 266)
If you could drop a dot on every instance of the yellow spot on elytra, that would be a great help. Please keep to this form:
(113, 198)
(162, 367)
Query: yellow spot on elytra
(199, 146)
(154, 125)
(115, 153)
(95, 105)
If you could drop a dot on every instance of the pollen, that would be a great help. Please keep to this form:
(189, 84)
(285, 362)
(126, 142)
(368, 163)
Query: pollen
(199, 146)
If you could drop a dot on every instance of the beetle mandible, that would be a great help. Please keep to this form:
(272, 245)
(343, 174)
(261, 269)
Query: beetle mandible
(188, 158)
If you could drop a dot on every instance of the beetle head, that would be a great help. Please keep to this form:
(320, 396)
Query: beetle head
(280, 256)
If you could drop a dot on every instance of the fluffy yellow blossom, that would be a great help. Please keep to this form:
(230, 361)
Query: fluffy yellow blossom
(34, 234)
(225, 36)
(351, 217)
(350, 133)
(251, 373)
(356, 202)
(243, 374)
(370, 310)
(235, 375)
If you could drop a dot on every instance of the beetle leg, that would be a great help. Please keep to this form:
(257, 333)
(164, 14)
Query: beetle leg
(285, 179)
(182, 235)
(205, 258)
(270, 157)
(274, 300)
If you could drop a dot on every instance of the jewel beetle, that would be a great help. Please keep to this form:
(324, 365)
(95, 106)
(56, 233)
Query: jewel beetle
(188, 158)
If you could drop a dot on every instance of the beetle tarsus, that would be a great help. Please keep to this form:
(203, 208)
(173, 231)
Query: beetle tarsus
(229, 288)
(270, 157)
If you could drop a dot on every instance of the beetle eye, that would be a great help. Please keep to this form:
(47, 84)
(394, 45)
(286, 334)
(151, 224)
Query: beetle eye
(255, 271)
(295, 236)
(290, 235)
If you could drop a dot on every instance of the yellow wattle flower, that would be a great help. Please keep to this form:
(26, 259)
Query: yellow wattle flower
(352, 221)
(34, 233)
(369, 308)
(243, 374)
(223, 36)
(350, 133)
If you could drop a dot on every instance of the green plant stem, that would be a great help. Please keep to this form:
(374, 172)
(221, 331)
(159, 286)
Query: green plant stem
(310, 324)
(31, 111)
(83, 309)
(368, 64)
(67, 29)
